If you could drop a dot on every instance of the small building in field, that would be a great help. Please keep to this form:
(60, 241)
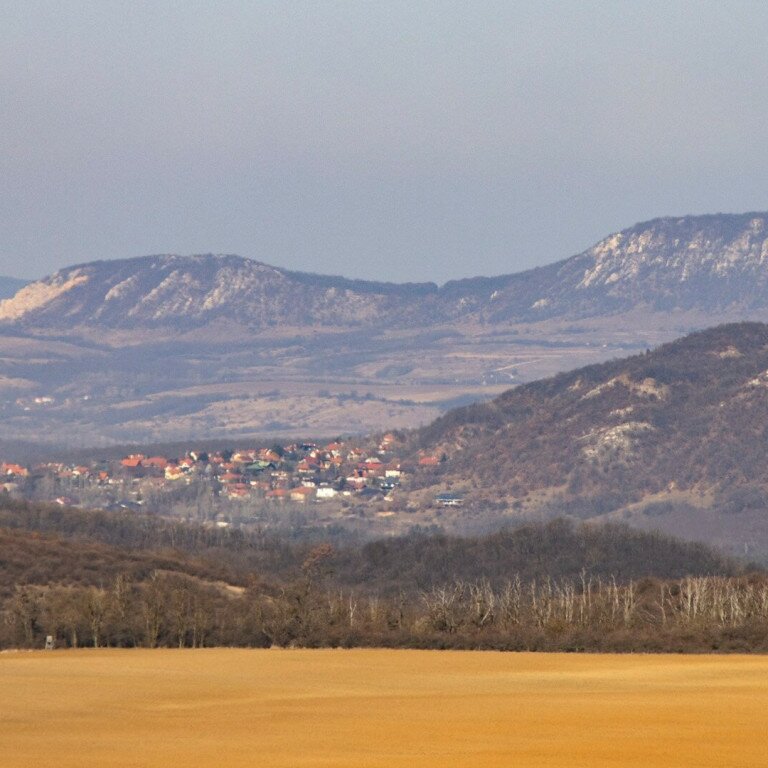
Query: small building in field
(448, 500)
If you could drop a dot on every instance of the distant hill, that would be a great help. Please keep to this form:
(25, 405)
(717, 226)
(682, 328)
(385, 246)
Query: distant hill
(715, 262)
(675, 438)
(711, 263)
(168, 348)
(9, 286)
(47, 545)
(163, 291)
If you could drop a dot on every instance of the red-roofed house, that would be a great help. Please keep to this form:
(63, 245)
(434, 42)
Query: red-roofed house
(302, 494)
(15, 470)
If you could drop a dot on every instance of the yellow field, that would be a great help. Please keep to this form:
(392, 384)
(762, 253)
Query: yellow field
(379, 708)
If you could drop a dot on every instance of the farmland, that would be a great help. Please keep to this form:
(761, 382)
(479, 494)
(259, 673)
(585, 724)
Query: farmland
(379, 708)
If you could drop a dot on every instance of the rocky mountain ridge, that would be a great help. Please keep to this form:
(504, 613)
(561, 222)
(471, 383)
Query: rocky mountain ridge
(706, 263)
(168, 347)
(154, 291)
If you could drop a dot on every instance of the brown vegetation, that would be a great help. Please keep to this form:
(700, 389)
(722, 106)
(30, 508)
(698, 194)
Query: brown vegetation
(172, 610)
(679, 428)
(120, 580)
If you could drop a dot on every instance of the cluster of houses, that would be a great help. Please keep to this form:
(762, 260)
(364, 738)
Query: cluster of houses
(299, 473)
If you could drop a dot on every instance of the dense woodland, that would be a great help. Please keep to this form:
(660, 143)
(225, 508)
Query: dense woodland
(95, 579)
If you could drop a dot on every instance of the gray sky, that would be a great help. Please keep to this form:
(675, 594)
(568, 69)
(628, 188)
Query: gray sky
(390, 140)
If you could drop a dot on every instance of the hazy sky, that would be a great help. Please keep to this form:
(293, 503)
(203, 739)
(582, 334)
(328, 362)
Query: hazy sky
(391, 140)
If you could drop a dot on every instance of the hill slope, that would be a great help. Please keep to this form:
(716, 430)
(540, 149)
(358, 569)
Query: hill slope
(675, 438)
(53, 545)
(556, 587)
(711, 263)
(156, 291)
(693, 262)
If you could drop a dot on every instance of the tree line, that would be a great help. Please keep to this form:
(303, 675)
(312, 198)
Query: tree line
(692, 614)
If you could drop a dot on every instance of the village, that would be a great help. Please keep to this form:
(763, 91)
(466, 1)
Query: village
(234, 485)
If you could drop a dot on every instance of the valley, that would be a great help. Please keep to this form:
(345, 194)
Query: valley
(96, 389)
(670, 439)
(170, 347)
(346, 418)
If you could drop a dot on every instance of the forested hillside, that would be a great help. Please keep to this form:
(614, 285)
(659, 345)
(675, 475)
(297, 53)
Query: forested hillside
(97, 579)
(666, 439)
(76, 546)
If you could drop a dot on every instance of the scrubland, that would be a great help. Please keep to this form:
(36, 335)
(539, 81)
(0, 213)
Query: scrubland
(227, 708)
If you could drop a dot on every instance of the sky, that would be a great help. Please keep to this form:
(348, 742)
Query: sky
(401, 141)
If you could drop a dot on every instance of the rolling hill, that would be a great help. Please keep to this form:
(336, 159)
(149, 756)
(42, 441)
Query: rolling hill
(180, 291)
(675, 438)
(103, 579)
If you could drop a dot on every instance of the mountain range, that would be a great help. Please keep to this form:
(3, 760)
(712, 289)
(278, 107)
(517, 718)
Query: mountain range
(174, 347)
(706, 263)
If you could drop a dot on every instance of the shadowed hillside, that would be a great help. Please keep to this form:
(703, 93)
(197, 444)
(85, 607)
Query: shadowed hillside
(99, 544)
